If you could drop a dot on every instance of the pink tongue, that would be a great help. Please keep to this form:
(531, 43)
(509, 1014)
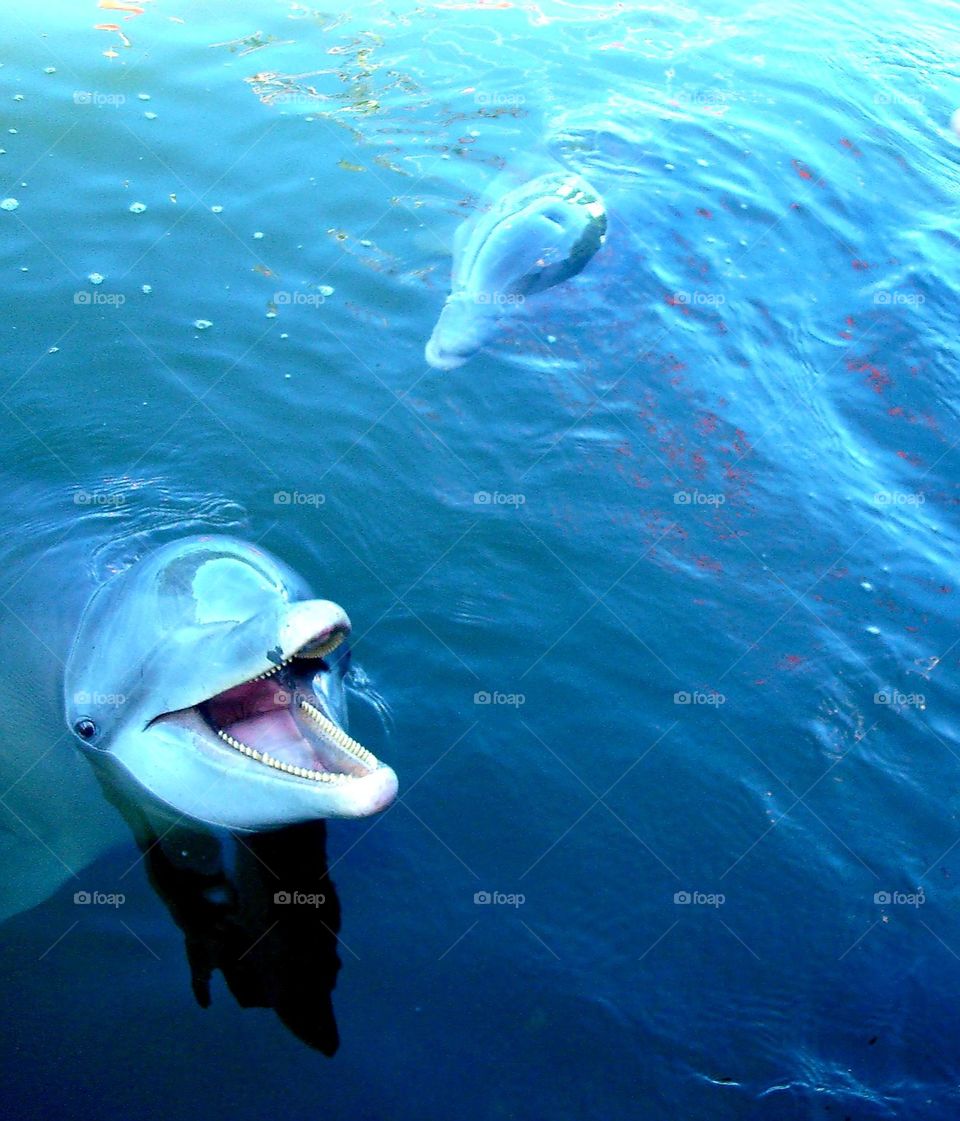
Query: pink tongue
(257, 714)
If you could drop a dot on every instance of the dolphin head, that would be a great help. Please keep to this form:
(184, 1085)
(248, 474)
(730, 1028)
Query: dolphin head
(212, 676)
(531, 239)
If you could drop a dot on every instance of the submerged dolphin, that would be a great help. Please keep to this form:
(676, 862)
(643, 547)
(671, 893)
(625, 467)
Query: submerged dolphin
(536, 236)
(213, 678)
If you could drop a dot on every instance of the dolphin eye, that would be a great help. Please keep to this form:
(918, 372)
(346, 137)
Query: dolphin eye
(85, 729)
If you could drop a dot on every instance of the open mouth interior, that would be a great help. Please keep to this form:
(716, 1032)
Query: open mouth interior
(277, 719)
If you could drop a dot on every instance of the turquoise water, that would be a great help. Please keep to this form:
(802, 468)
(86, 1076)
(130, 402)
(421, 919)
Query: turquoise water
(689, 525)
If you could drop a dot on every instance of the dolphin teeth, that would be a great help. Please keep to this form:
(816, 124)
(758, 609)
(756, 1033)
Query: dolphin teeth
(338, 735)
(277, 764)
(324, 648)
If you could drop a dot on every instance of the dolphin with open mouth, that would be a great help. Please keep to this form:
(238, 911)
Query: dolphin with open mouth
(533, 237)
(211, 675)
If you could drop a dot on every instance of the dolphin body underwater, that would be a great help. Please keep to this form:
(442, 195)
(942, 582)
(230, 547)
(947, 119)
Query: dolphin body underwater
(205, 682)
(534, 237)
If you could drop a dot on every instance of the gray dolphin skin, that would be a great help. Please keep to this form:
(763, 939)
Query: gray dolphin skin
(213, 678)
(534, 237)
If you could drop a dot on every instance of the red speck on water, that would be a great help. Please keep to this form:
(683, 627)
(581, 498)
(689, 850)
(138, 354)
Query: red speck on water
(802, 170)
(791, 661)
(673, 301)
(760, 681)
(878, 377)
(699, 465)
(860, 265)
(741, 444)
(850, 322)
(709, 564)
(913, 460)
(707, 424)
(846, 334)
(851, 147)
(704, 213)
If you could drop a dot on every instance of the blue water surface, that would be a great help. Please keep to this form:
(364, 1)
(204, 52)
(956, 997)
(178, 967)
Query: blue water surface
(660, 589)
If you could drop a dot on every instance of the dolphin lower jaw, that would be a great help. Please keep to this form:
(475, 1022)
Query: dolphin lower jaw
(467, 322)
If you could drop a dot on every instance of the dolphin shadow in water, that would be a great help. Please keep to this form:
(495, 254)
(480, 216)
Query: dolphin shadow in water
(260, 907)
